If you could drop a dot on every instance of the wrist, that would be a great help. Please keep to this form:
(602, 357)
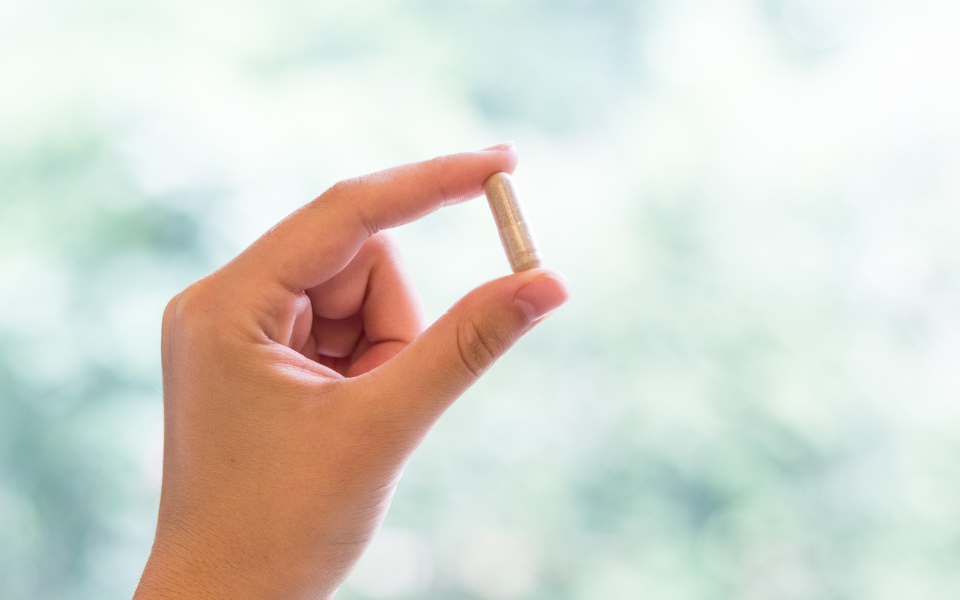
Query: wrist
(176, 572)
(179, 570)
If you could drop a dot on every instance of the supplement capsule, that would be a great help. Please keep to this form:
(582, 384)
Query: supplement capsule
(518, 241)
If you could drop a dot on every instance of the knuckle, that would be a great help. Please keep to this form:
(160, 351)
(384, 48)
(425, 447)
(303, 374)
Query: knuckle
(345, 187)
(166, 324)
(169, 310)
(191, 307)
(438, 162)
(183, 321)
(382, 244)
(348, 190)
(478, 346)
(187, 301)
(436, 167)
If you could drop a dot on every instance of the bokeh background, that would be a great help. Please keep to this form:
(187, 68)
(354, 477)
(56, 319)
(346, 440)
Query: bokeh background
(754, 392)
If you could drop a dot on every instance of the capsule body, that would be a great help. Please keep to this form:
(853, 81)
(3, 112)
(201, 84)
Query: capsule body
(516, 236)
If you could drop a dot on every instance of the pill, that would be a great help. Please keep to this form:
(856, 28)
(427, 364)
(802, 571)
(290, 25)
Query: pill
(517, 238)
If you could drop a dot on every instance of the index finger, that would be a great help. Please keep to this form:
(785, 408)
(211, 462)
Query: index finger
(317, 241)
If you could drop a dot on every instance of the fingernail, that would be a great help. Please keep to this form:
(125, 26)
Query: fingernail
(501, 146)
(542, 295)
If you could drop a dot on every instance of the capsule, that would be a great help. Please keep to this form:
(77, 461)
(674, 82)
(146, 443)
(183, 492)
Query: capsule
(517, 238)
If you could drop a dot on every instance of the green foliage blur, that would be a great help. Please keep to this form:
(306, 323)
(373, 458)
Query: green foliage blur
(753, 394)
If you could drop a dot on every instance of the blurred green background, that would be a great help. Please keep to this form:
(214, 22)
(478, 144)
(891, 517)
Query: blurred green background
(754, 393)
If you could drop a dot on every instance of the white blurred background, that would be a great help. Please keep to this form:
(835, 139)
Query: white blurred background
(753, 393)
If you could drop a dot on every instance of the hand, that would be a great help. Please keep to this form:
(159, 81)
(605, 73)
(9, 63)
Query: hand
(298, 380)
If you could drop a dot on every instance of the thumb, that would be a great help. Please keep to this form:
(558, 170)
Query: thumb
(434, 370)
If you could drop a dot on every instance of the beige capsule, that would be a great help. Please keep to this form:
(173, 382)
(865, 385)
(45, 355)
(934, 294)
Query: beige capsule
(517, 238)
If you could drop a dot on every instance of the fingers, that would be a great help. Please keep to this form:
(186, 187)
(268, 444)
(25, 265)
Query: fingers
(429, 374)
(369, 311)
(320, 239)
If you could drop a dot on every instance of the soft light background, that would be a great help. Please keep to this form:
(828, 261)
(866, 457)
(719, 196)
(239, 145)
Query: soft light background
(754, 393)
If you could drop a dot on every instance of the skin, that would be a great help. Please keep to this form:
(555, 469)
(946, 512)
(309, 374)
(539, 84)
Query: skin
(299, 378)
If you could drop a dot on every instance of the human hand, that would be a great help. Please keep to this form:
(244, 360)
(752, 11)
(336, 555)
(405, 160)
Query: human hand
(297, 383)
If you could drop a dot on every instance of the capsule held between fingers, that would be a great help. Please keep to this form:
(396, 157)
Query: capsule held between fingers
(518, 240)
